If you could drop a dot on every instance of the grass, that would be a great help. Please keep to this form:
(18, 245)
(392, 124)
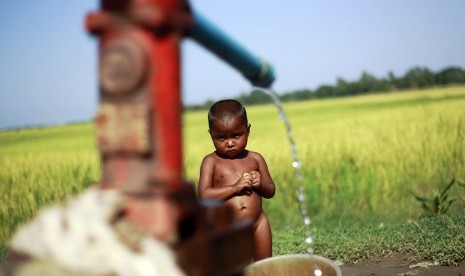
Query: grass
(438, 239)
(363, 157)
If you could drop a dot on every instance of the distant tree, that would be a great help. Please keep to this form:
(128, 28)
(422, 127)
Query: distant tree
(366, 82)
(392, 80)
(204, 106)
(298, 95)
(255, 97)
(208, 104)
(418, 77)
(342, 87)
(450, 75)
(369, 83)
(325, 91)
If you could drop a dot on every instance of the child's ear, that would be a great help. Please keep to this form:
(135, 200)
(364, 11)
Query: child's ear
(209, 131)
(248, 127)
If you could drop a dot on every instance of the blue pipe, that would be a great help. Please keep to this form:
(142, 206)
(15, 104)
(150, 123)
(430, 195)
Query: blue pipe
(256, 70)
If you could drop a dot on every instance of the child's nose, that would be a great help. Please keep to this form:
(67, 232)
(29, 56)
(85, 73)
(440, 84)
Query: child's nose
(230, 143)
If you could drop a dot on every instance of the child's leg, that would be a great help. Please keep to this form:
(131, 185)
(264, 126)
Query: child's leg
(262, 237)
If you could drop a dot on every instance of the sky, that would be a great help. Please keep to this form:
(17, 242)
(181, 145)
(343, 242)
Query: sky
(48, 61)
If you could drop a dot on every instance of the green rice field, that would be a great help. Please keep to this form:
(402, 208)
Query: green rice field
(362, 158)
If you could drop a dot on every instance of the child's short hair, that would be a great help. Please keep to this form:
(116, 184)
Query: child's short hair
(226, 110)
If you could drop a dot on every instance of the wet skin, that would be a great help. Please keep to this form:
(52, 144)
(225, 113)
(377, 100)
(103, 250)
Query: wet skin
(238, 177)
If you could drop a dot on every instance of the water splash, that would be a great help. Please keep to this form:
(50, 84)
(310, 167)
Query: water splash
(297, 166)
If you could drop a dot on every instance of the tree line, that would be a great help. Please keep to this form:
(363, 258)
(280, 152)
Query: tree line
(415, 78)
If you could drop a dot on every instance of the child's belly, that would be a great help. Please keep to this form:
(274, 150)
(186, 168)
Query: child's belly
(246, 206)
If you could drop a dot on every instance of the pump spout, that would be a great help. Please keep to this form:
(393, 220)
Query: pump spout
(256, 70)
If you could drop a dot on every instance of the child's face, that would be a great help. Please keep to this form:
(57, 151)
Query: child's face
(230, 137)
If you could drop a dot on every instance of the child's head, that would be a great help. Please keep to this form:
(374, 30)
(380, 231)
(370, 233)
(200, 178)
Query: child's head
(225, 110)
(228, 127)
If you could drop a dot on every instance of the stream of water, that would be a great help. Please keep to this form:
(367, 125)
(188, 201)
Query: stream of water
(297, 167)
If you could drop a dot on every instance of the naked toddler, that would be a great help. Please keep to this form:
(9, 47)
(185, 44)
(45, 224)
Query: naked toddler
(235, 175)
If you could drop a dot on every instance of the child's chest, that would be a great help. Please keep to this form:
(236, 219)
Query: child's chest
(227, 171)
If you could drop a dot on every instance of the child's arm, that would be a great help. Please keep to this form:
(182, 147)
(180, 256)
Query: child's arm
(261, 180)
(206, 189)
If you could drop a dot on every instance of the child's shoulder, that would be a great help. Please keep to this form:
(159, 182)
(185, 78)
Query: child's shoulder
(255, 155)
(210, 156)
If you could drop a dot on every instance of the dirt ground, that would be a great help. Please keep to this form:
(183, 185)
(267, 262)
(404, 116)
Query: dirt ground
(399, 265)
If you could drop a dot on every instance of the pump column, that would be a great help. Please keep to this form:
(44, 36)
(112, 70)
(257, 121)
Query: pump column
(138, 122)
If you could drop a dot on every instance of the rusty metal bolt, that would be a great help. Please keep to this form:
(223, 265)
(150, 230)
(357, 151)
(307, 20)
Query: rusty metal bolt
(123, 66)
